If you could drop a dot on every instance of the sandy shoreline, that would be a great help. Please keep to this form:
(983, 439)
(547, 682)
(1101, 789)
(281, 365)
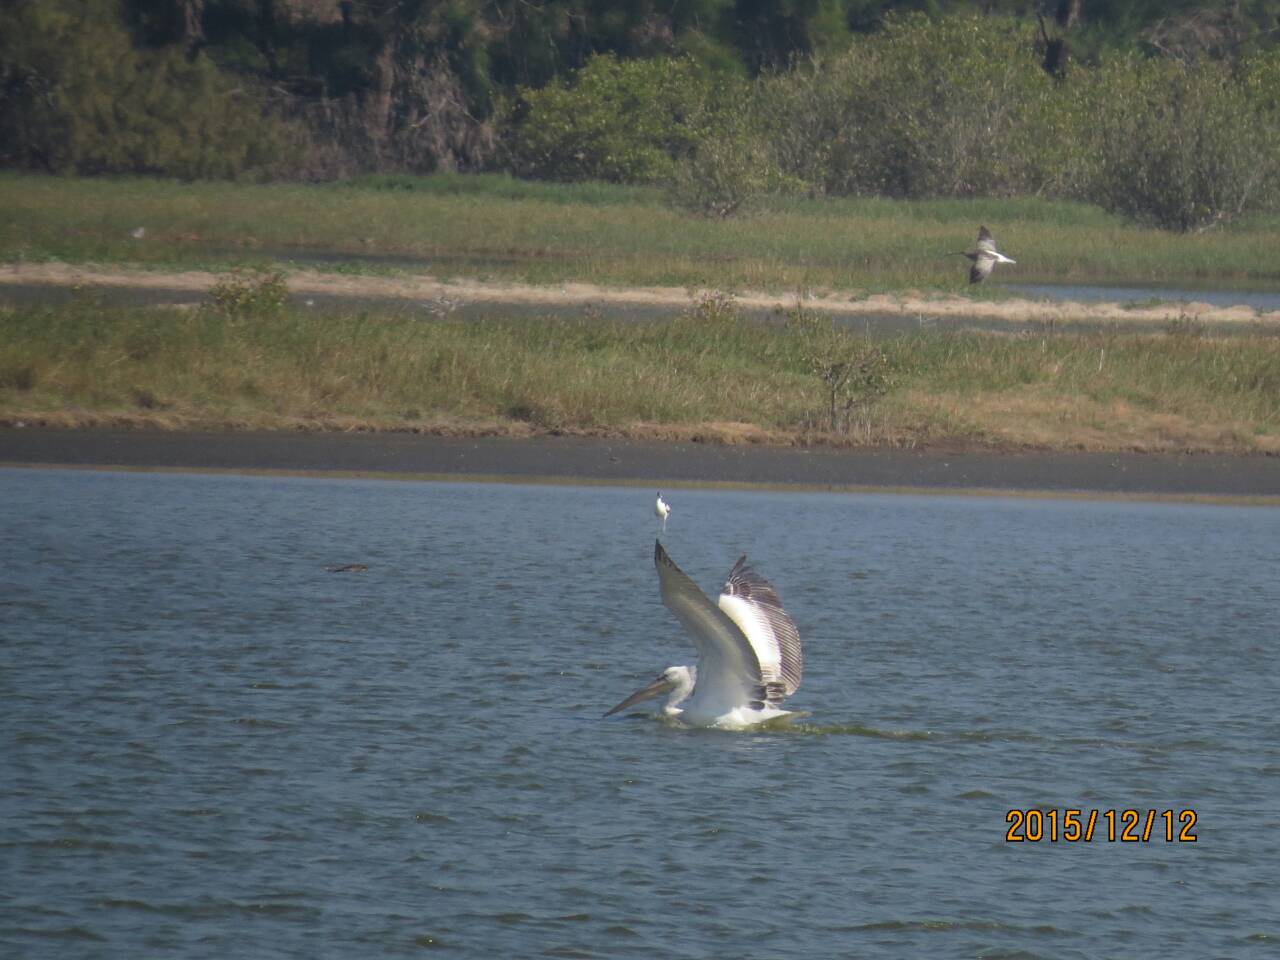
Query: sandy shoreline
(651, 463)
(448, 295)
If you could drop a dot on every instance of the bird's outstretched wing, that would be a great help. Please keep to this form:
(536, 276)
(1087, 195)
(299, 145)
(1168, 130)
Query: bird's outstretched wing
(729, 671)
(984, 258)
(753, 604)
(981, 268)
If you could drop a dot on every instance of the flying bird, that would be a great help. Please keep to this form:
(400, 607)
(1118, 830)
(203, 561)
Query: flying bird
(984, 258)
(749, 657)
(662, 509)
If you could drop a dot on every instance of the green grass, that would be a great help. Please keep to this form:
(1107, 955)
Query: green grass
(700, 374)
(498, 228)
(506, 187)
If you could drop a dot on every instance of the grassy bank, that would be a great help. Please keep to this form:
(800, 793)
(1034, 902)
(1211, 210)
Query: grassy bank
(707, 373)
(498, 228)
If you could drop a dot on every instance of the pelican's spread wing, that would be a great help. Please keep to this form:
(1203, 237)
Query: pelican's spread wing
(981, 268)
(729, 671)
(752, 603)
(986, 242)
(984, 258)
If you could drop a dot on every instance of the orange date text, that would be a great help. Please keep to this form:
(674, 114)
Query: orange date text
(1076, 825)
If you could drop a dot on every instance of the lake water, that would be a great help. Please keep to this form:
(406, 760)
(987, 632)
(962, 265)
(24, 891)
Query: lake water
(1266, 300)
(214, 747)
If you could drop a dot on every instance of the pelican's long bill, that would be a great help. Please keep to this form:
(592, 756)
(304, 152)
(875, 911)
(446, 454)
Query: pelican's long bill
(657, 688)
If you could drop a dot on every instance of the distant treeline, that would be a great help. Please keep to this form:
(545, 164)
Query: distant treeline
(1167, 110)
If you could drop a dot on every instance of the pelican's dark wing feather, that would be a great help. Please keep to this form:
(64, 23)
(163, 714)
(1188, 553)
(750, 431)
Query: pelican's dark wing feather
(754, 605)
(981, 268)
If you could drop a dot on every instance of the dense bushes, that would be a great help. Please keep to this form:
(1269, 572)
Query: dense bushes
(961, 107)
(614, 120)
(1182, 147)
(924, 107)
(77, 96)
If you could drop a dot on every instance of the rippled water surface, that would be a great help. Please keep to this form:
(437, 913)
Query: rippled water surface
(1257, 299)
(214, 747)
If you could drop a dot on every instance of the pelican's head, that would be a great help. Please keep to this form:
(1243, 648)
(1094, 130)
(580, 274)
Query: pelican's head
(678, 681)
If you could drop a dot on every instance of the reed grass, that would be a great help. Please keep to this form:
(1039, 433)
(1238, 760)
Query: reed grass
(701, 374)
(503, 229)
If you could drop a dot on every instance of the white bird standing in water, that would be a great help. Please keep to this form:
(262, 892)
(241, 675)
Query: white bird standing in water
(749, 656)
(985, 257)
(662, 509)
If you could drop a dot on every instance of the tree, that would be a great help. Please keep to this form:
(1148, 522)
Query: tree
(76, 95)
(160, 23)
(1182, 146)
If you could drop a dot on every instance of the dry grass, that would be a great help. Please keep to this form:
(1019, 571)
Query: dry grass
(707, 375)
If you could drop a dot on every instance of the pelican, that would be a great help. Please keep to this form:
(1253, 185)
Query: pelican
(984, 258)
(662, 509)
(748, 651)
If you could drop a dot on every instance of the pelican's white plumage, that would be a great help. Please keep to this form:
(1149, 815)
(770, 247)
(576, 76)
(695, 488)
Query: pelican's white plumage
(749, 656)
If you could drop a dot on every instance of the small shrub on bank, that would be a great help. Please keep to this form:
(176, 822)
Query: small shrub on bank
(855, 372)
(713, 309)
(244, 293)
